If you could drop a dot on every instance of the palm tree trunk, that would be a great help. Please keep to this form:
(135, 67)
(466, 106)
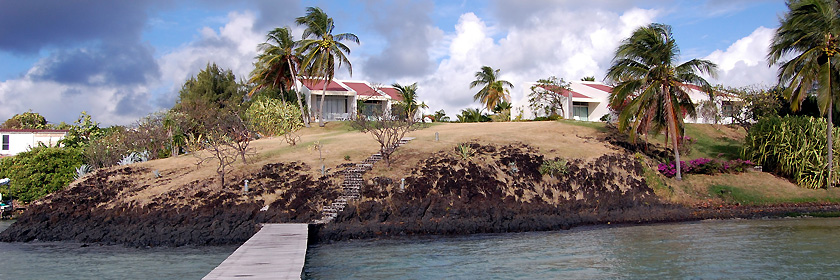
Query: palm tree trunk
(672, 129)
(321, 106)
(297, 93)
(830, 141)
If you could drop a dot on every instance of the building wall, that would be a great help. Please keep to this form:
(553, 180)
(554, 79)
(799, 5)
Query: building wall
(22, 141)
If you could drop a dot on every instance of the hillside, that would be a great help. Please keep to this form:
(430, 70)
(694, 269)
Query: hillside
(497, 188)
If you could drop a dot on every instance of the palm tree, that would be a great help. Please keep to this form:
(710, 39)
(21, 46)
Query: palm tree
(409, 99)
(810, 30)
(321, 49)
(493, 90)
(275, 58)
(651, 88)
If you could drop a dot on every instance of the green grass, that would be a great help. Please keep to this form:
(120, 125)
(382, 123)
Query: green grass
(599, 126)
(712, 147)
(733, 195)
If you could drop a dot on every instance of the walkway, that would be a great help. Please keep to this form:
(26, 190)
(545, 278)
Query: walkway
(277, 251)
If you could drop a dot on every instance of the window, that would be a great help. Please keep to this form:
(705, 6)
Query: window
(5, 142)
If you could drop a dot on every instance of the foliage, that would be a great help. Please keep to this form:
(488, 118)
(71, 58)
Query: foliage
(501, 113)
(493, 90)
(386, 129)
(651, 89)
(472, 115)
(440, 116)
(271, 117)
(588, 79)
(706, 166)
(320, 49)
(810, 33)
(82, 132)
(40, 171)
(709, 111)
(554, 167)
(686, 143)
(793, 147)
(134, 157)
(409, 99)
(465, 151)
(277, 65)
(549, 96)
(81, 171)
(26, 120)
(549, 118)
(214, 86)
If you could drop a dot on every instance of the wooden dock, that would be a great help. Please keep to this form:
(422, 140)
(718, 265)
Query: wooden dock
(277, 251)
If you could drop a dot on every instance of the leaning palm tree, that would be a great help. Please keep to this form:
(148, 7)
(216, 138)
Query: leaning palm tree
(493, 90)
(321, 49)
(651, 88)
(810, 30)
(409, 98)
(277, 65)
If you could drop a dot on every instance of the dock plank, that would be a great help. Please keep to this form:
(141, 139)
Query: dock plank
(277, 251)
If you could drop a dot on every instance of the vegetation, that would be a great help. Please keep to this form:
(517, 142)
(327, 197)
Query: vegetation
(39, 171)
(26, 120)
(493, 90)
(554, 167)
(651, 89)
(465, 151)
(791, 147)
(810, 31)
(271, 117)
(409, 103)
(472, 115)
(321, 49)
(386, 129)
(212, 86)
(277, 65)
(548, 96)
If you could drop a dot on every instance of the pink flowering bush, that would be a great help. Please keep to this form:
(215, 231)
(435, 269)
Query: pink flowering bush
(706, 166)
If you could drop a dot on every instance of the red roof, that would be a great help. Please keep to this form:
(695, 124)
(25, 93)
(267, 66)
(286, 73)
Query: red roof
(319, 85)
(392, 92)
(36, 130)
(362, 89)
(563, 92)
(600, 87)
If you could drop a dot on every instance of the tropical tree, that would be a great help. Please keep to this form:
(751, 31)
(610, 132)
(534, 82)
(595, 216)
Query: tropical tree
(810, 31)
(277, 65)
(409, 99)
(321, 49)
(549, 95)
(650, 87)
(493, 89)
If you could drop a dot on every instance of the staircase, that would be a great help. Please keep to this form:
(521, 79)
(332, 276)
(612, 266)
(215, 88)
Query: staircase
(352, 185)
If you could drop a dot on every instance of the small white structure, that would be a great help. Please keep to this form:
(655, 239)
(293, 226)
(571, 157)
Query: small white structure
(342, 97)
(15, 141)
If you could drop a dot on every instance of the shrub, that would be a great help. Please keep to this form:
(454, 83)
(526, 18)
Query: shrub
(706, 166)
(465, 151)
(793, 147)
(685, 145)
(554, 167)
(273, 117)
(40, 171)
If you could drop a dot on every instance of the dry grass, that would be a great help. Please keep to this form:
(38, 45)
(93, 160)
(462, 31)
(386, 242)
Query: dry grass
(753, 188)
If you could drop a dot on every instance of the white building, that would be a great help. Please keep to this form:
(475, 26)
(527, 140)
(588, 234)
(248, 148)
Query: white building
(590, 102)
(15, 141)
(340, 101)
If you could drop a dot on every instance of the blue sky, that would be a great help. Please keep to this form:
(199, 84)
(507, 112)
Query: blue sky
(121, 60)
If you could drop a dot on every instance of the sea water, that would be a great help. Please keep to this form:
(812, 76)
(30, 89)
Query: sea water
(800, 248)
(793, 248)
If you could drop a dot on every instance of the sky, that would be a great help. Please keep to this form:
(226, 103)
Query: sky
(122, 60)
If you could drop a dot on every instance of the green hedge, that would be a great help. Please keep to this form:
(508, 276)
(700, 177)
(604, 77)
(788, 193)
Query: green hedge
(793, 147)
(39, 171)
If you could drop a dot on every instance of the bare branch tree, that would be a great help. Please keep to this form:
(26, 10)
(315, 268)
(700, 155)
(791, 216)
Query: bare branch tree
(386, 129)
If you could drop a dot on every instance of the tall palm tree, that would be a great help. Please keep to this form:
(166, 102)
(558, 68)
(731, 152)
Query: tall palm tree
(810, 30)
(321, 49)
(493, 90)
(277, 65)
(409, 98)
(651, 87)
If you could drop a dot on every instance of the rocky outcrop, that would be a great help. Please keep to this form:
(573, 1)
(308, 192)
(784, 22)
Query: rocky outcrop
(196, 214)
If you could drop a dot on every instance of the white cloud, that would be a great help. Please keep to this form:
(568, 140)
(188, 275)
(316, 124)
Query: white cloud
(745, 61)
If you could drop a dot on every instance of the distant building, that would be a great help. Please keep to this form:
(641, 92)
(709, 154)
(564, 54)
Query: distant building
(590, 102)
(15, 141)
(343, 98)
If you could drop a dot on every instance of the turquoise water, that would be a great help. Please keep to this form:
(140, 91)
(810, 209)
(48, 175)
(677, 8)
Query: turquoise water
(63, 260)
(743, 249)
(740, 249)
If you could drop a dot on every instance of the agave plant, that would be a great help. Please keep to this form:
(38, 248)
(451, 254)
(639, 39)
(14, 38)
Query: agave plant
(134, 157)
(81, 171)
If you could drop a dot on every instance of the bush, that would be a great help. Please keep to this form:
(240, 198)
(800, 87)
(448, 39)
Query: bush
(554, 167)
(272, 117)
(40, 171)
(706, 166)
(793, 147)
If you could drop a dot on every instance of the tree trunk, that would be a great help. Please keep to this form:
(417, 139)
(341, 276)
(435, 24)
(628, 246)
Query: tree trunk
(321, 106)
(830, 142)
(297, 93)
(571, 109)
(672, 129)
